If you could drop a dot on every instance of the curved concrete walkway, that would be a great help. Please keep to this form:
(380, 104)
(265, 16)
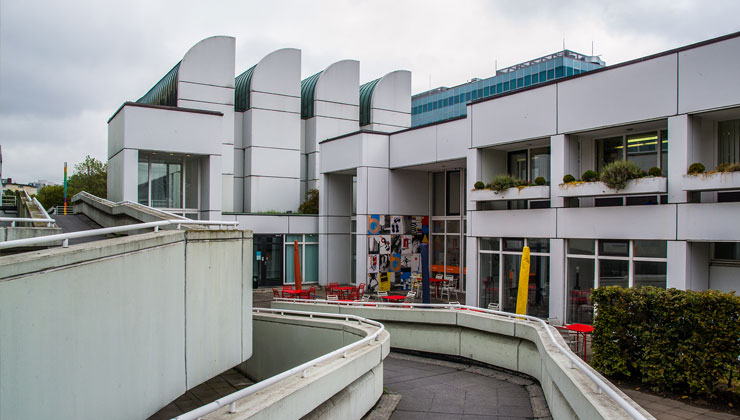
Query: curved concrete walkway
(432, 389)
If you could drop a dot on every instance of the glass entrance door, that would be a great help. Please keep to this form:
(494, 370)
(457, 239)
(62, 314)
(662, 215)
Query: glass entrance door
(267, 264)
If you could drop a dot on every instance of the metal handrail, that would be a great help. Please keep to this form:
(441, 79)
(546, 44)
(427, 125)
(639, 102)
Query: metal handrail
(13, 220)
(303, 368)
(41, 206)
(65, 237)
(575, 360)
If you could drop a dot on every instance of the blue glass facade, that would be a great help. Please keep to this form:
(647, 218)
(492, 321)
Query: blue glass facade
(444, 103)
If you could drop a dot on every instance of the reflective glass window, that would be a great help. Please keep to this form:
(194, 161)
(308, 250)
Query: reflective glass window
(579, 308)
(650, 273)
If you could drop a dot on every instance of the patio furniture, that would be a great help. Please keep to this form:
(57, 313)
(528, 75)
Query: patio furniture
(381, 295)
(494, 306)
(332, 298)
(448, 287)
(582, 329)
(276, 293)
(309, 294)
(292, 293)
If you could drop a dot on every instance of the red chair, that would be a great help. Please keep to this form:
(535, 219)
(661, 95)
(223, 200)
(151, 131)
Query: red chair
(330, 288)
(309, 294)
(275, 293)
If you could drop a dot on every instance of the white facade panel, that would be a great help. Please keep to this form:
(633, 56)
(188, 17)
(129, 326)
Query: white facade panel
(239, 130)
(377, 191)
(339, 83)
(709, 222)
(342, 154)
(273, 162)
(227, 195)
(227, 159)
(210, 62)
(637, 92)
(413, 147)
(263, 224)
(336, 224)
(632, 222)
(524, 115)
(725, 279)
(408, 192)
(124, 185)
(262, 195)
(453, 140)
(116, 132)
(327, 128)
(397, 119)
(272, 129)
(393, 93)
(337, 110)
(303, 225)
(536, 223)
(707, 76)
(279, 72)
(227, 121)
(375, 150)
(171, 131)
(269, 101)
(205, 93)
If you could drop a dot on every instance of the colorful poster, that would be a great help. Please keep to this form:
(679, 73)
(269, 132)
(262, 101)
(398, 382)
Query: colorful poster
(396, 225)
(416, 225)
(395, 261)
(372, 263)
(385, 282)
(406, 242)
(385, 244)
(396, 243)
(372, 282)
(373, 244)
(374, 224)
(385, 263)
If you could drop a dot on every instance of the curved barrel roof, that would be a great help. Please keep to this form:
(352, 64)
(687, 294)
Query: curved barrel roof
(241, 90)
(165, 91)
(308, 90)
(366, 98)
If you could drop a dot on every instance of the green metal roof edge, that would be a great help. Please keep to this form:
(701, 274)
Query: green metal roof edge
(165, 91)
(366, 96)
(308, 89)
(242, 84)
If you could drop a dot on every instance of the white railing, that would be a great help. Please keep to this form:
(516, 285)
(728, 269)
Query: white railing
(41, 207)
(574, 359)
(65, 237)
(13, 220)
(303, 369)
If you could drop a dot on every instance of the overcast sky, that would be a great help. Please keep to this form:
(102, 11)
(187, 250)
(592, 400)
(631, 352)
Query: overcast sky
(66, 66)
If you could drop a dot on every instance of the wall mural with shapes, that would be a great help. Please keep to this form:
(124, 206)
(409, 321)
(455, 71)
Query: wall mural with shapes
(394, 249)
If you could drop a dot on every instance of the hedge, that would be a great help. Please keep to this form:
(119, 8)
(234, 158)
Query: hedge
(671, 340)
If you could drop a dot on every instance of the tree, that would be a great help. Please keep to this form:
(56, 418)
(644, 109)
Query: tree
(91, 176)
(51, 195)
(311, 205)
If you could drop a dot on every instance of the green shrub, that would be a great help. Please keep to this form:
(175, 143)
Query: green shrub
(311, 205)
(696, 168)
(671, 340)
(728, 167)
(655, 171)
(504, 182)
(568, 178)
(479, 185)
(590, 176)
(540, 180)
(616, 174)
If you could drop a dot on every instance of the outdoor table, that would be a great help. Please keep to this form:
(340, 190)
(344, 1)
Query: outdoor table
(393, 298)
(344, 290)
(436, 282)
(291, 292)
(581, 329)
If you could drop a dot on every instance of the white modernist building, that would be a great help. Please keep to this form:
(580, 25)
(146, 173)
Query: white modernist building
(208, 144)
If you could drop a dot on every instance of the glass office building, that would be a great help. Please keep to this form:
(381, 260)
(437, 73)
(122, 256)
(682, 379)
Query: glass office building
(444, 103)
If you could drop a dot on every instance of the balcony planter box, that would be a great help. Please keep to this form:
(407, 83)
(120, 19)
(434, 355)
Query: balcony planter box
(647, 185)
(535, 192)
(712, 181)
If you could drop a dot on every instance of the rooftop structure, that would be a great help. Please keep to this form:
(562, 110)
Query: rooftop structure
(444, 103)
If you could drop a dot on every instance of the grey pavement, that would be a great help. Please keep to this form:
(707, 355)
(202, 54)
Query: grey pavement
(669, 409)
(432, 389)
(77, 223)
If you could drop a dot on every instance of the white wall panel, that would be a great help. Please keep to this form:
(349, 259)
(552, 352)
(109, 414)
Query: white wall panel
(303, 225)
(262, 195)
(515, 117)
(210, 62)
(263, 100)
(273, 129)
(453, 139)
(337, 110)
(205, 93)
(536, 223)
(273, 162)
(413, 147)
(408, 192)
(171, 131)
(377, 191)
(375, 150)
(263, 224)
(632, 222)
(707, 76)
(708, 222)
(400, 120)
(637, 92)
(341, 154)
(279, 72)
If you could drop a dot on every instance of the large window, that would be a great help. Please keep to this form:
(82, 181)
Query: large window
(610, 262)
(647, 150)
(530, 164)
(448, 225)
(728, 141)
(308, 254)
(499, 268)
(169, 182)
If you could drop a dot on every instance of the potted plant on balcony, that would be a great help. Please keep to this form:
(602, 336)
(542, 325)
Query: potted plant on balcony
(507, 187)
(617, 178)
(726, 176)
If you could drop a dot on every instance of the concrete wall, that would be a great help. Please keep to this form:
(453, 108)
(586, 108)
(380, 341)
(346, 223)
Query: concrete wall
(119, 328)
(521, 346)
(339, 388)
(390, 105)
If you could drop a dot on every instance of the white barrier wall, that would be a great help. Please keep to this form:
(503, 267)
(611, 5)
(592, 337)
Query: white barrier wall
(119, 328)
